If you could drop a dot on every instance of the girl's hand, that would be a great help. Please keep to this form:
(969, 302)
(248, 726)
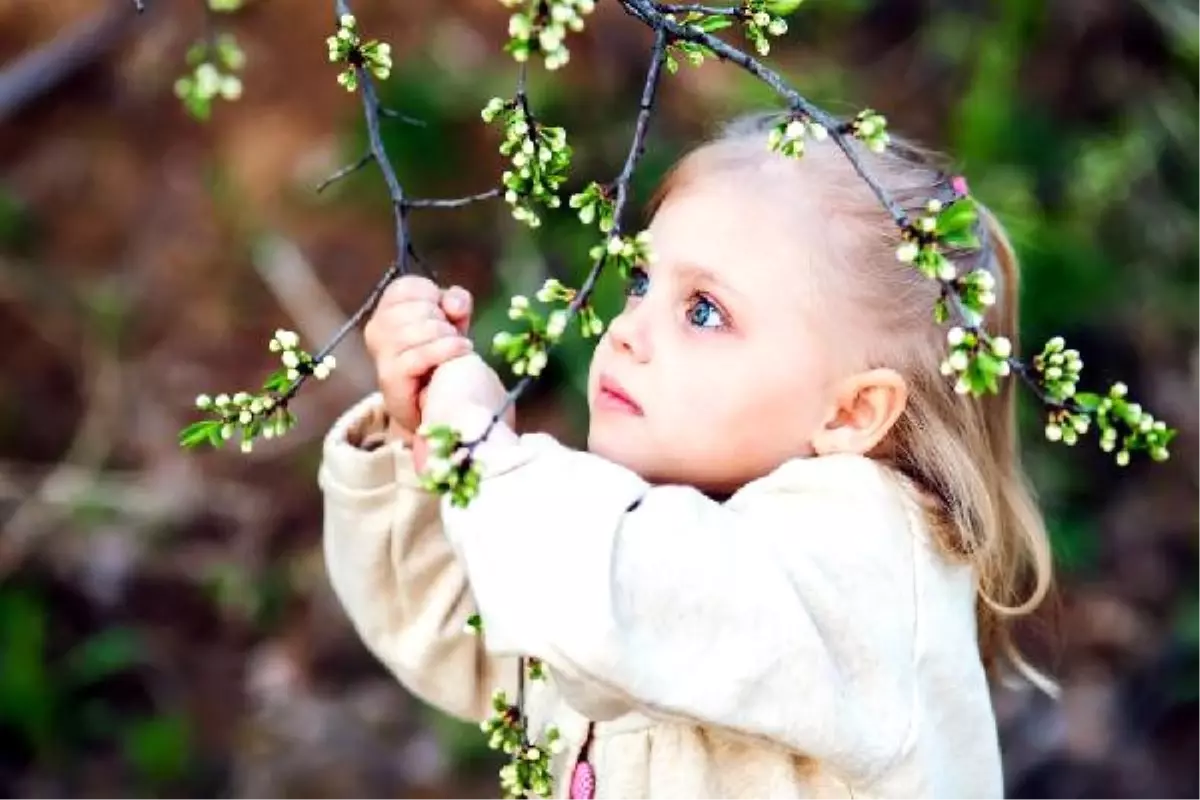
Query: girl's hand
(415, 328)
(463, 387)
(464, 393)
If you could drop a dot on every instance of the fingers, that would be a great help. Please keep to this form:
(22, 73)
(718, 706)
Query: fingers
(387, 325)
(418, 361)
(456, 303)
(407, 288)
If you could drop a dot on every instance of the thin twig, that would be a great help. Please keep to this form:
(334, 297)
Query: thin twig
(394, 114)
(649, 14)
(345, 172)
(456, 202)
(716, 11)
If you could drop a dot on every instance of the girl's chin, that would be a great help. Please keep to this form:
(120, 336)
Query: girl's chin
(620, 450)
(636, 457)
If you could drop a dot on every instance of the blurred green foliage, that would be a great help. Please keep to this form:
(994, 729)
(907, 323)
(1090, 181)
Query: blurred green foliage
(53, 701)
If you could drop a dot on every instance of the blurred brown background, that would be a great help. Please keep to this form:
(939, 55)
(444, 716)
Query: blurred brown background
(166, 626)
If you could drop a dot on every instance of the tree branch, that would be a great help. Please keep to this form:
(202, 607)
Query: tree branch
(636, 148)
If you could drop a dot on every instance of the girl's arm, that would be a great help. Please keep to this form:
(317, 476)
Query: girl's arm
(787, 613)
(395, 573)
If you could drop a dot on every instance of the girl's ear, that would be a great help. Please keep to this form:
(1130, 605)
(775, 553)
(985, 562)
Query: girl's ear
(865, 407)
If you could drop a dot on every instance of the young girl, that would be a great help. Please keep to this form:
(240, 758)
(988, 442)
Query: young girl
(786, 564)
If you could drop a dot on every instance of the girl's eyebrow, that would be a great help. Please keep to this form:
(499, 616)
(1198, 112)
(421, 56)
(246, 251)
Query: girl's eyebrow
(699, 272)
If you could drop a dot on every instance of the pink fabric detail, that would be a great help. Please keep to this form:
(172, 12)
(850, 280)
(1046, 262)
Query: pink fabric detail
(583, 782)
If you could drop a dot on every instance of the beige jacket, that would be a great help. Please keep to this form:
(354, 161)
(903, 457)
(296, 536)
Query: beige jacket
(802, 639)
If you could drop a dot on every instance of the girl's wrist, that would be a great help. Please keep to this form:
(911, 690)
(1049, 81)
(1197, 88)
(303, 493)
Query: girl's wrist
(398, 433)
(470, 421)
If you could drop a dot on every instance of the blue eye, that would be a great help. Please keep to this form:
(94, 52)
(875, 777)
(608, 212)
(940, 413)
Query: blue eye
(704, 313)
(638, 282)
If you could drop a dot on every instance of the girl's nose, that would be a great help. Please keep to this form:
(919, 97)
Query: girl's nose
(628, 332)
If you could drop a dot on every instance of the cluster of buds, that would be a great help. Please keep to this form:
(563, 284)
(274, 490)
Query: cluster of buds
(978, 361)
(1059, 369)
(542, 26)
(450, 468)
(870, 128)
(694, 52)
(527, 774)
(1142, 430)
(976, 293)
(921, 245)
(1066, 426)
(594, 204)
(260, 413)
(788, 136)
(214, 74)
(253, 415)
(1124, 426)
(528, 351)
(296, 361)
(626, 252)
(540, 159)
(347, 47)
(553, 291)
(760, 23)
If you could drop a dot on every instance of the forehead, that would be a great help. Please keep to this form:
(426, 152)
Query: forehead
(763, 240)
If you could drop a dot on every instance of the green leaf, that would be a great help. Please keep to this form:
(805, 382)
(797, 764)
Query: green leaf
(29, 698)
(962, 238)
(197, 432)
(107, 653)
(714, 23)
(941, 311)
(781, 8)
(1088, 400)
(277, 381)
(955, 217)
(159, 748)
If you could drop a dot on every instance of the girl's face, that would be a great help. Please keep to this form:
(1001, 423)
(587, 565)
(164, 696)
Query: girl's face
(717, 370)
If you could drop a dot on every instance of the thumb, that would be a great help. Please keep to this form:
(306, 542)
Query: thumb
(457, 306)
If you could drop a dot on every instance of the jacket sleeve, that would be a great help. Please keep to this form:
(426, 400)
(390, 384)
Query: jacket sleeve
(786, 613)
(395, 573)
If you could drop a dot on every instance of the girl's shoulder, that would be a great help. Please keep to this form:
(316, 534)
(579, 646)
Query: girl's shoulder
(864, 497)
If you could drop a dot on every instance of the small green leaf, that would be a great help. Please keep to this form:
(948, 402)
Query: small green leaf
(198, 432)
(109, 652)
(957, 216)
(963, 238)
(159, 747)
(714, 23)
(781, 8)
(941, 311)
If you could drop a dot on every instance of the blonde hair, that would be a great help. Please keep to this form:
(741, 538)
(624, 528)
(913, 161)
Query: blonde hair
(960, 451)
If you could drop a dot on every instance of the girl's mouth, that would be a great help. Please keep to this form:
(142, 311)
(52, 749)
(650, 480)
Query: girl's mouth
(611, 396)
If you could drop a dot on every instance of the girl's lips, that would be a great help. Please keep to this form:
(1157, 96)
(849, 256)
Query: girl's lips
(610, 396)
